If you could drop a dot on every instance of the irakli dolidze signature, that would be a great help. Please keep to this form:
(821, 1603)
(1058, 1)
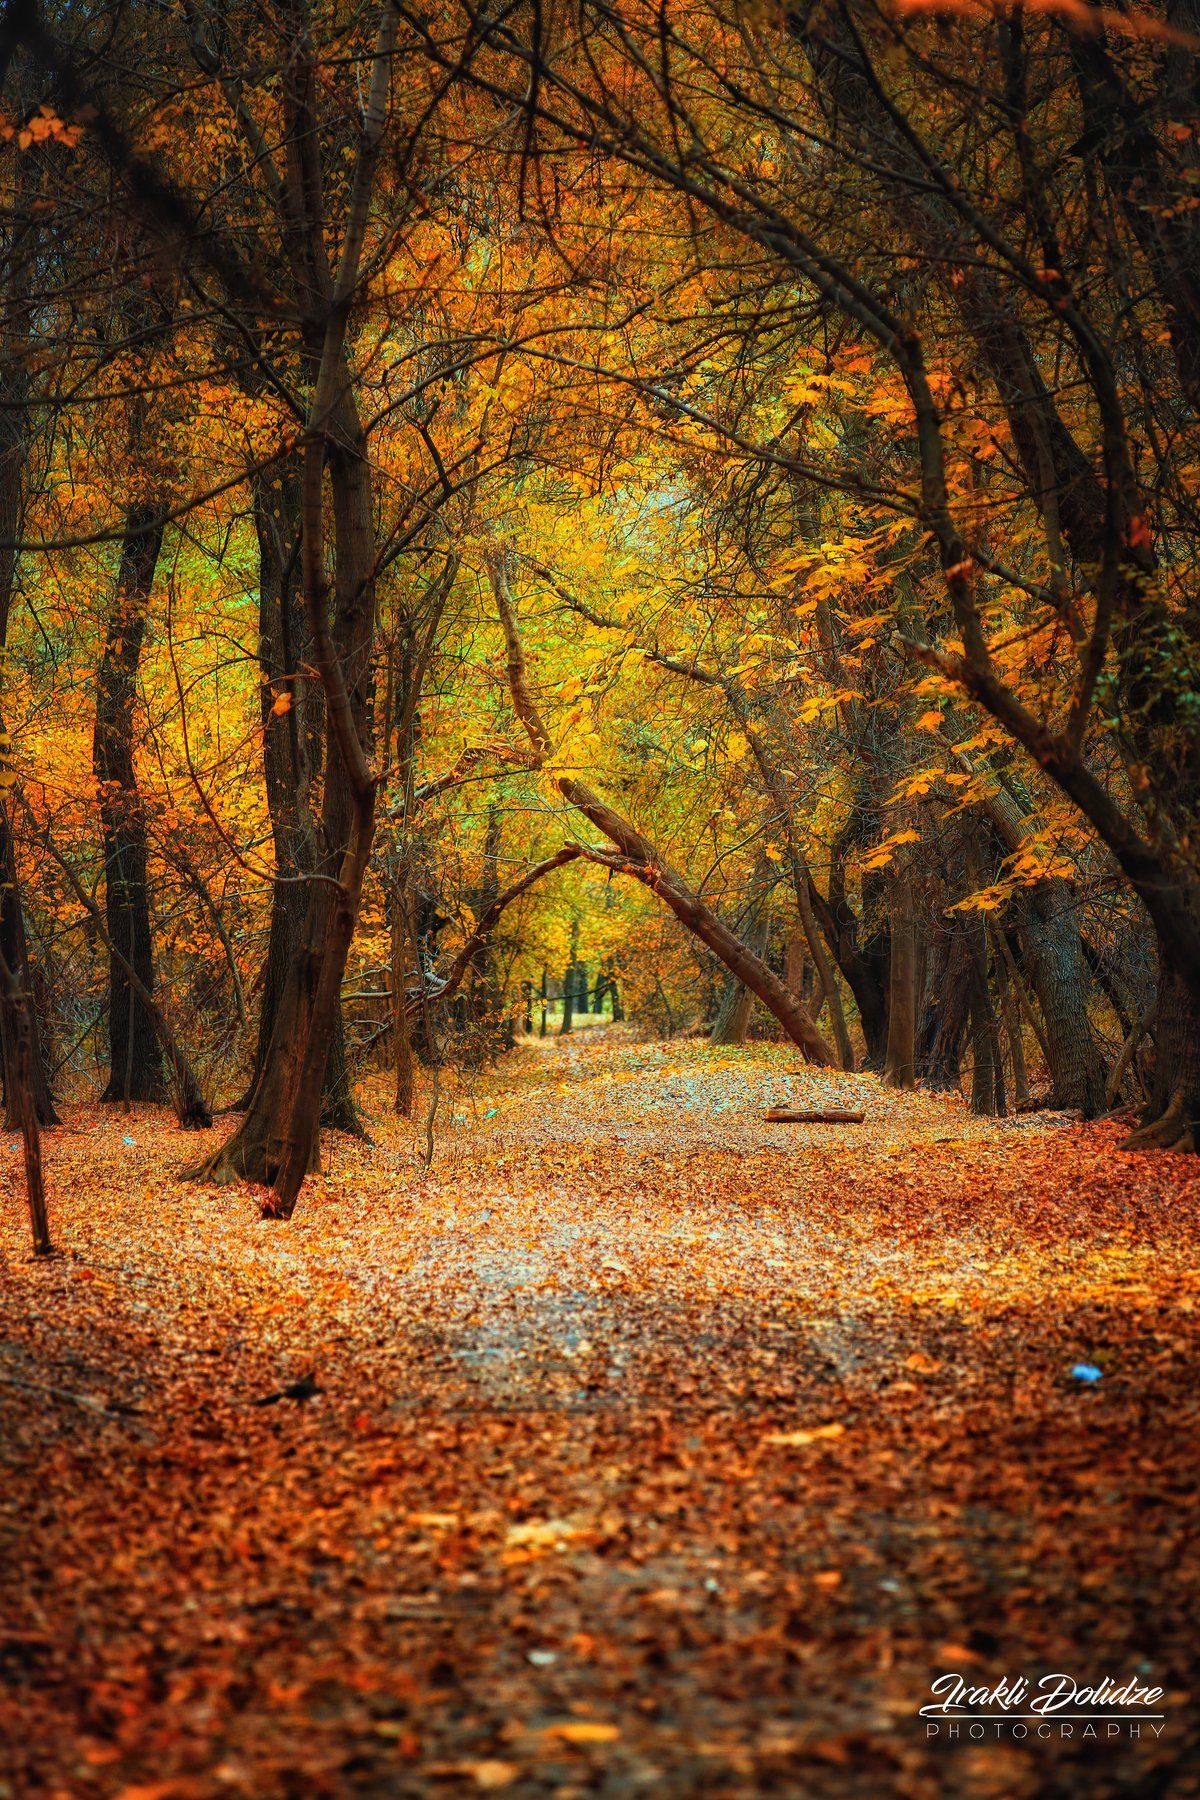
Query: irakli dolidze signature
(1122, 1707)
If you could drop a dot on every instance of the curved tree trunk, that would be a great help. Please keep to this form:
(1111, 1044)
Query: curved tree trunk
(136, 1069)
(638, 857)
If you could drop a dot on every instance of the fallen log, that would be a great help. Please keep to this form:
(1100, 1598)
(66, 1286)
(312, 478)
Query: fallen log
(793, 1115)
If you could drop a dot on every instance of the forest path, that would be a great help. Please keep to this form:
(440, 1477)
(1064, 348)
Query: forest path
(538, 1530)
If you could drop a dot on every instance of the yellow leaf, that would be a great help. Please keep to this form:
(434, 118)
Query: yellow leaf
(283, 704)
(929, 721)
(796, 1440)
(492, 1773)
(582, 1731)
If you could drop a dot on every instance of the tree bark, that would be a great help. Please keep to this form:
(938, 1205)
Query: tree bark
(191, 1108)
(1172, 1117)
(737, 1002)
(18, 1028)
(292, 711)
(1011, 1014)
(14, 952)
(900, 1066)
(402, 1050)
(1053, 959)
(945, 1007)
(22, 240)
(135, 1060)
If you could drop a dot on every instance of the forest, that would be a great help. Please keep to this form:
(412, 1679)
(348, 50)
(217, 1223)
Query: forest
(599, 895)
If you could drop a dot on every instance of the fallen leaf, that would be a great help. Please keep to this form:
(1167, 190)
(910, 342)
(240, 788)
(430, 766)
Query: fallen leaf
(795, 1440)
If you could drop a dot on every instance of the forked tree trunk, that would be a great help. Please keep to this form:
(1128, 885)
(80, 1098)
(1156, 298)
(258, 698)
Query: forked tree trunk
(945, 1008)
(276, 1144)
(865, 968)
(136, 1069)
(293, 716)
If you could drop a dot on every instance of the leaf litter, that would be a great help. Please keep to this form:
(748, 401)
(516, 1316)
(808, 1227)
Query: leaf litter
(637, 1446)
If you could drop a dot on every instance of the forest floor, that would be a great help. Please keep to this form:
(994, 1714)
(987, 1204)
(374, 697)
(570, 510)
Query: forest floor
(656, 1449)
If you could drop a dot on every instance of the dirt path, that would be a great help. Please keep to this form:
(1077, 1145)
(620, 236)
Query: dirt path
(537, 1531)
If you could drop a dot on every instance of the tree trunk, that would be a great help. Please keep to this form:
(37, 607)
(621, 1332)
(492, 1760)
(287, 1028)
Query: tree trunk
(1172, 1117)
(987, 1065)
(900, 1066)
(737, 1001)
(402, 1050)
(135, 1060)
(293, 720)
(944, 1008)
(1011, 1015)
(22, 231)
(1054, 962)
(14, 953)
(865, 968)
(570, 984)
(733, 1014)
(18, 1013)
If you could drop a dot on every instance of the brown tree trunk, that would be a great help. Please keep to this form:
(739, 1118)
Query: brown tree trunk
(988, 1097)
(293, 720)
(14, 953)
(190, 1107)
(19, 1031)
(1054, 963)
(135, 1060)
(865, 968)
(737, 1002)
(1011, 1015)
(16, 314)
(945, 1007)
(402, 1050)
(1172, 1117)
(276, 1143)
(899, 1069)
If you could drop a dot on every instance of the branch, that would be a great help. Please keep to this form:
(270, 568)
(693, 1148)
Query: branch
(486, 924)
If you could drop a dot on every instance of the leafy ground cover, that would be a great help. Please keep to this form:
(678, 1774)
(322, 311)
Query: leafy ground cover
(636, 1446)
